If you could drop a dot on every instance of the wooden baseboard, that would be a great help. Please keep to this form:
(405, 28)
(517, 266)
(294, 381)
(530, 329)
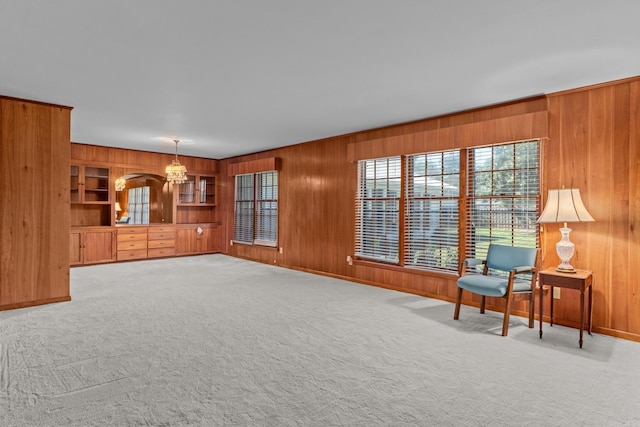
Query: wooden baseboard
(25, 304)
(596, 329)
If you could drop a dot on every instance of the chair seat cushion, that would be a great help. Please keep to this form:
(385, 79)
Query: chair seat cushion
(491, 286)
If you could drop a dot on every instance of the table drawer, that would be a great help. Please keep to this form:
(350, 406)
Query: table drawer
(133, 244)
(166, 243)
(132, 254)
(160, 252)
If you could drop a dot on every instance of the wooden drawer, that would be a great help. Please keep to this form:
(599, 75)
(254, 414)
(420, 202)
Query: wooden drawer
(128, 237)
(160, 252)
(165, 243)
(162, 235)
(133, 244)
(167, 229)
(132, 230)
(132, 254)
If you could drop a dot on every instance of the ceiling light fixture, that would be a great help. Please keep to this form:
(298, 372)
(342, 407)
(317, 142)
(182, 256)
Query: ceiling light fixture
(121, 183)
(176, 173)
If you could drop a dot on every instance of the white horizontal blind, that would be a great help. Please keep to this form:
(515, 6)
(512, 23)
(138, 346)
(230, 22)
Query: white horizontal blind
(267, 208)
(431, 211)
(138, 205)
(243, 219)
(503, 196)
(377, 209)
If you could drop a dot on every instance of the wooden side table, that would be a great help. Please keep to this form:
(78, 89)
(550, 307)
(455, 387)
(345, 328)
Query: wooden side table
(581, 280)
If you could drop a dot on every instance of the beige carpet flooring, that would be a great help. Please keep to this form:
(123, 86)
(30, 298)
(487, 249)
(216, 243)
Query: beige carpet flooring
(218, 341)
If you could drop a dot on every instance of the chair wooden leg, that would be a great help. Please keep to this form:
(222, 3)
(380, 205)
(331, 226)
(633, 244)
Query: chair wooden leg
(482, 304)
(532, 306)
(456, 314)
(507, 313)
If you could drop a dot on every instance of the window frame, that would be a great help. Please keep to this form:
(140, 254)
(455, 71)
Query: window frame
(378, 210)
(464, 238)
(499, 194)
(255, 224)
(432, 248)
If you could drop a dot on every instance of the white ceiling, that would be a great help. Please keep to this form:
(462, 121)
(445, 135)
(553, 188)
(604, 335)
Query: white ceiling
(229, 77)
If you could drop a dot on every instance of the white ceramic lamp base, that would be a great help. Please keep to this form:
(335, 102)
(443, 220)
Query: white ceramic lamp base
(565, 249)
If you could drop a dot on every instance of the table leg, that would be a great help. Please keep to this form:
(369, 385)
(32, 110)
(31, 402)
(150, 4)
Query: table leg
(551, 307)
(541, 308)
(590, 307)
(581, 315)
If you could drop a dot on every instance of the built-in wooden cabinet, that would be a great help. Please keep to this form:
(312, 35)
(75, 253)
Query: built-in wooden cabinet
(175, 211)
(132, 243)
(92, 245)
(198, 190)
(89, 184)
(141, 242)
(90, 196)
(161, 241)
(196, 200)
(196, 239)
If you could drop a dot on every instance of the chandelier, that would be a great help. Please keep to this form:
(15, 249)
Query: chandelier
(176, 173)
(121, 183)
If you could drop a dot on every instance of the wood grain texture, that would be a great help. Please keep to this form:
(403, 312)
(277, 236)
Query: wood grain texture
(34, 189)
(591, 141)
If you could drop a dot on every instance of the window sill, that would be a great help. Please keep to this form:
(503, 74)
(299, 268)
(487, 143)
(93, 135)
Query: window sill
(401, 269)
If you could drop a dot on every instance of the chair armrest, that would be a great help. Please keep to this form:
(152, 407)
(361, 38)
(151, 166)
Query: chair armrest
(523, 269)
(469, 262)
(472, 262)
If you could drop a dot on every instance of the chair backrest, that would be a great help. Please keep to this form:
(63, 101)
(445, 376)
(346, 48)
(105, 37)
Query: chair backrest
(505, 258)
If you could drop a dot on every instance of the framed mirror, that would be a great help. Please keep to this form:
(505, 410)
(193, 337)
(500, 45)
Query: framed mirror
(143, 198)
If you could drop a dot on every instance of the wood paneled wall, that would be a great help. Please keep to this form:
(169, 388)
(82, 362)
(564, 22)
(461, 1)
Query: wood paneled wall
(591, 142)
(594, 145)
(123, 161)
(34, 203)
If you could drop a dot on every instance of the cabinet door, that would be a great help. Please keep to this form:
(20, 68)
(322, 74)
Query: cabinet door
(75, 248)
(205, 241)
(206, 190)
(89, 184)
(98, 246)
(186, 241)
(75, 184)
(187, 191)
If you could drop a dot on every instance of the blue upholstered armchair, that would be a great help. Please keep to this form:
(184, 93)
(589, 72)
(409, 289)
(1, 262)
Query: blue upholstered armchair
(508, 259)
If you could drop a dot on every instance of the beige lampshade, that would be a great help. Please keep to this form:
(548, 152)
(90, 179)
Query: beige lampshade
(564, 205)
(118, 208)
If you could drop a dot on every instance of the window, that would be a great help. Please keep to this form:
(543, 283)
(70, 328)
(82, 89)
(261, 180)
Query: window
(503, 196)
(256, 209)
(501, 201)
(378, 207)
(431, 211)
(243, 224)
(138, 205)
(267, 208)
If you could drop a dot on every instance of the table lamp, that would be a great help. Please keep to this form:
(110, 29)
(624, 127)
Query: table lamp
(564, 205)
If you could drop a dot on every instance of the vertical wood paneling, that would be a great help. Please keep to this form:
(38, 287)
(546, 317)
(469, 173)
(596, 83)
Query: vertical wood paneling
(594, 146)
(633, 296)
(601, 144)
(34, 189)
(619, 239)
(591, 142)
